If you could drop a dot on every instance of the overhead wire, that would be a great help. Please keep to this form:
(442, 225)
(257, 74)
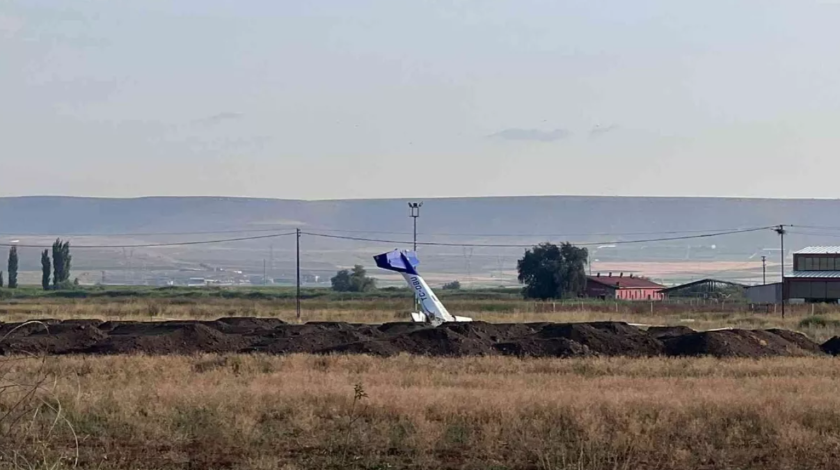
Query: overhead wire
(377, 240)
(381, 232)
(500, 245)
(158, 245)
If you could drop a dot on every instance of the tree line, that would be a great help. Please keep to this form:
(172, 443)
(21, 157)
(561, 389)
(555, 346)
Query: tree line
(55, 270)
(546, 271)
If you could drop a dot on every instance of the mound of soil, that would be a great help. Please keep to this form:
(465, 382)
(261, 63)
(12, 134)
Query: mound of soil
(832, 346)
(243, 325)
(273, 336)
(440, 342)
(307, 340)
(187, 338)
(492, 332)
(739, 343)
(606, 338)
(61, 338)
(536, 347)
(664, 332)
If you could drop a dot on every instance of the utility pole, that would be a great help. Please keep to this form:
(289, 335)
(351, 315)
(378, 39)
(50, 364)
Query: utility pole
(781, 231)
(414, 213)
(297, 258)
(764, 270)
(265, 279)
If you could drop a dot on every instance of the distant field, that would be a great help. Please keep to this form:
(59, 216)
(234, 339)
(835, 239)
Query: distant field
(307, 412)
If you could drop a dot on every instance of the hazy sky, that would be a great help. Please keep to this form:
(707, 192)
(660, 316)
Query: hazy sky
(388, 98)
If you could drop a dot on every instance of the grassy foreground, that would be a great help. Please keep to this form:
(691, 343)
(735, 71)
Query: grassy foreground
(302, 412)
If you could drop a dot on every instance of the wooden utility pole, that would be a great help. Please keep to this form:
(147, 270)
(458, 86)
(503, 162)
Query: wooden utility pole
(297, 258)
(781, 231)
(764, 270)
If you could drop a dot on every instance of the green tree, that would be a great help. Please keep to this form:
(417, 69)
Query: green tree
(359, 280)
(454, 285)
(1, 278)
(352, 281)
(61, 263)
(550, 272)
(46, 267)
(13, 268)
(341, 281)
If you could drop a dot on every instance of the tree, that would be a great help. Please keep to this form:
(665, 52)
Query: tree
(550, 272)
(359, 280)
(454, 285)
(341, 281)
(1, 278)
(13, 268)
(61, 263)
(46, 267)
(352, 281)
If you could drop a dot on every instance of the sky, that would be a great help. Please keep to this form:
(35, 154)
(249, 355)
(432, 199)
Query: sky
(333, 99)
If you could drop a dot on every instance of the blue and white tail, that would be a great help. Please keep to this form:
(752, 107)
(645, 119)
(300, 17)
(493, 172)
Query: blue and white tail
(405, 263)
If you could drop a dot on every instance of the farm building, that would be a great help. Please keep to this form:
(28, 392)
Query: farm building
(706, 289)
(816, 275)
(623, 287)
(767, 294)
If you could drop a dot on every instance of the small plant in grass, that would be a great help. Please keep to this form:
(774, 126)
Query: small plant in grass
(359, 394)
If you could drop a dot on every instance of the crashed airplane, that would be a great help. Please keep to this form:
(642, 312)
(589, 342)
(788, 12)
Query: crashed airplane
(405, 263)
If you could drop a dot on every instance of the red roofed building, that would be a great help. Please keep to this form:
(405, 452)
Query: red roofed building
(621, 287)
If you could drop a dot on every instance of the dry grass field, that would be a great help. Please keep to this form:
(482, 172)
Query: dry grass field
(315, 412)
(302, 412)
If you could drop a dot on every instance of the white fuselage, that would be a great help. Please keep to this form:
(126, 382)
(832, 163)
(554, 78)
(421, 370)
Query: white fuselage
(434, 310)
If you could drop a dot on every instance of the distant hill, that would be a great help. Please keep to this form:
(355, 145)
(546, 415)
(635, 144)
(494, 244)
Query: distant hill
(494, 220)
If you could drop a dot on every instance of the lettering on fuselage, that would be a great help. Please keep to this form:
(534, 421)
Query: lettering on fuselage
(418, 287)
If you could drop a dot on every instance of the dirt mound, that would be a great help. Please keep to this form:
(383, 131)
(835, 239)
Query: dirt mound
(535, 347)
(272, 336)
(187, 338)
(243, 325)
(440, 342)
(313, 337)
(60, 338)
(738, 343)
(800, 340)
(832, 346)
(663, 332)
(606, 338)
(492, 332)
(399, 328)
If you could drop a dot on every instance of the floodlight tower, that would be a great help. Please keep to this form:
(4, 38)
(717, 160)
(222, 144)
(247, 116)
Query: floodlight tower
(414, 213)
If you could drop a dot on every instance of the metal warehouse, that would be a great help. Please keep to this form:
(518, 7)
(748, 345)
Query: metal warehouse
(816, 275)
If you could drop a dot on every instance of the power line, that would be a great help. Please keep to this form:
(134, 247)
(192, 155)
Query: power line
(143, 234)
(812, 234)
(499, 245)
(378, 232)
(158, 245)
